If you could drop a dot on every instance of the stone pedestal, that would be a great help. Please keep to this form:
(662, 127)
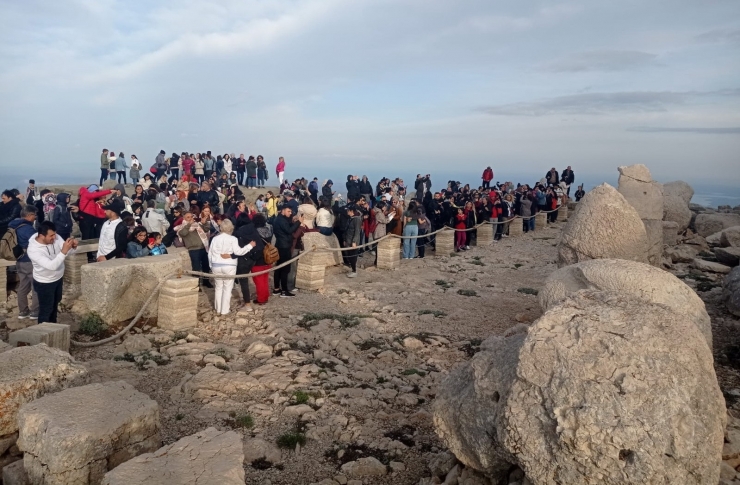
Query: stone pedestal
(540, 221)
(516, 227)
(52, 334)
(563, 213)
(178, 303)
(445, 244)
(311, 271)
(73, 268)
(389, 253)
(485, 235)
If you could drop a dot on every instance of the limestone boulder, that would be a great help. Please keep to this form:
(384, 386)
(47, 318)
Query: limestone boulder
(730, 237)
(643, 193)
(709, 223)
(610, 389)
(679, 189)
(77, 435)
(133, 344)
(676, 210)
(209, 457)
(670, 233)
(731, 291)
(604, 226)
(213, 382)
(709, 266)
(256, 449)
(636, 280)
(118, 288)
(729, 256)
(713, 240)
(329, 258)
(364, 467)
(30, 372)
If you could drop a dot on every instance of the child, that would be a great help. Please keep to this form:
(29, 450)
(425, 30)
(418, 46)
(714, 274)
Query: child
(460, 223)
(155, 241)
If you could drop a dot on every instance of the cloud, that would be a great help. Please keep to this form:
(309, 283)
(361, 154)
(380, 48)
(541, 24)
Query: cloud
(602, 60)
(603, 103)
(733, 130)
(717, 36)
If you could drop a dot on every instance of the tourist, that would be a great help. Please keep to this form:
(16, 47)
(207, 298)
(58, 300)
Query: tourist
(199, 169)
(112, 165)
(261, 171)
(568, 177)
(31, 192)
(9, 209)
(154, 219)
(308, 211)
(156, 244)
(246, 233)
(411, 228)
(47, 252)
(121, 167)
(219, 255)
(62, 217)
(487, 177)
(580, 193)
(104, 166)
(352, 234)
(284, 226)
(24, 232)
(525, 211)
(261, 282)
(113, 234)
(194, 236)
(161, 166)
(146, 182)
(138, 245)
(460, 225)
(552, 177)
(251, 168)
(324, 217)
(208, 196)
(240, 166)
(326, 191)
(424, 228)
(280, 169)
(135, 172)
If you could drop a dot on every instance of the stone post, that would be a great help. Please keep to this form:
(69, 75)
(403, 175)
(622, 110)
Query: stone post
(73, 268)
(310, 272)
(52, 334)
(516, 227)
(540, 221)
(563, 213)
(389, 253)
(445, 243)
(485, 235)
(178, 304)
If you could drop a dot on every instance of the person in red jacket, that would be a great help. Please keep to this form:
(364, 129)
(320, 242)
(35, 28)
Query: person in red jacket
(487, 177)
(91, 213)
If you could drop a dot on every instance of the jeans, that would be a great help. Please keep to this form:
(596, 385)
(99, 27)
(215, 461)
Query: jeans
(244, 266)
(293, 270)
(112, 174)
(326, 231)
(281, 275)
(174, 175)
(531, 223)
(49, 294)
(199, 177)
(134, 182)
(103, 176)
(486, 184)
(240, 177)
(251, 182)
(25, 286)
(199, 261)
(222, 297)
(409, 245)
(122, 174)
(499, 228)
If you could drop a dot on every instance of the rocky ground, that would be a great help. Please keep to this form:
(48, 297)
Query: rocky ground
(336, 386)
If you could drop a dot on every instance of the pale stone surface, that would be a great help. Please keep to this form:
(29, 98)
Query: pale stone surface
(730, 237)
(603, 226)
(7, 441)
(52, 334)
(178, 304)
(213, 382)
(641, 191)
(654, 232)
(76, 435)
(731, 291)
(259, 449)
(445, 243)
(679, 189)
(117, 289)
(729, 256)
(30, 372)
(311, 271)
(638, 280)
(209, 457)
(670, 233)
(15, 474)
(710, 266)
(681, 254)
(676, 210)
(133, 344)
(328, 258)
(364, 467)
(707, 224)
(260, 350)
(588, 369)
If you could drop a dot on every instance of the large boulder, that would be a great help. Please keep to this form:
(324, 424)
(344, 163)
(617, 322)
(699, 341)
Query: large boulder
(208, 457)
(679, 189)
(729, 256)
(731, 291)
(329, 258)
(636, 280)
(670, 233)
(676, 210)
(604, 226)
(614, 390)
(77, 435)
(117, 289)
(709, 223)
(30, 372)
(641, 191)
(730, 237)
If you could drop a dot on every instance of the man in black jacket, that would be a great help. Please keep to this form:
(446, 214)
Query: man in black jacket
(568, 177)
(9, 209)
(352, 234)
(113, 234)
(208, 196)
(284, 226)
(552, 177)
(246, 233)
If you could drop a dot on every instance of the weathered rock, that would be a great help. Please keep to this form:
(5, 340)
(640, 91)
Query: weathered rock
(602, 394)
(654, 232)
(30, 372)
(679, 189)
(257, 449)
(604, 226)
(670, 233)
(77, 435)
(214, 382)
(52, 334)
(730, 237)
(133, 344)
(637, 280)
(330, 258)
(676, 210)
(729, 256)
(681, 254)
(209, 457)
(15, 474)
(259, 350)
(710, 266)
(118, 288)
(707, 224)
(639, 189)
(364, 467)
(731, 291)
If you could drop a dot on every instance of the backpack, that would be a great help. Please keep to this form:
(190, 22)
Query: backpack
(9, 248)
(270, 254)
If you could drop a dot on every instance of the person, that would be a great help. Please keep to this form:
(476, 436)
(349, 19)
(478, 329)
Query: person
(284, 227)
(525, 211)
(135, 172)
(154, 219)
(194, 235)
(261, 281)
(62, 217)
(325, 218)
(568, 177)
(280, 169)
(104, 166)
(580, 193)
(113, 234)
(460, 225)
(209, 165)
(251, 168)
(156, 244)
(47, 252)
(261, 171)
(9, 209)
(208, 196)
(31, 192)
(246, 233)
(121, 167)
(352, 235)
(411, 228)
(326, 191)
(424, 228)
(308, 211)
(487, 177)
(366, 190)
(24, 232)
(160, 166)
(353, 189)
(146, 181)
(199, 169)
(552, 177)
(219, 256)
(139, 245)
(291, 202)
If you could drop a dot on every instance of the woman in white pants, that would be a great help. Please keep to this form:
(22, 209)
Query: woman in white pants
(219, 255)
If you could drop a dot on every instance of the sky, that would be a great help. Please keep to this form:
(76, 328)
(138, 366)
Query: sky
(392, 87)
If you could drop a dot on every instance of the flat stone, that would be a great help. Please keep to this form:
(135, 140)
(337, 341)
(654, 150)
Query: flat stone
(259, 449)
(52, 334)
(133, 344)
(298, 410)
(259, 350)
(214, 382)
(729, 256)
(364, 467)
(15, 474)
(710, 266)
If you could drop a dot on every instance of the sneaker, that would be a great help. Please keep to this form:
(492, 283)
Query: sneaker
(277, 291)
(33, 316)
(467, 247)
(352, 275)
(286, 294)
(23, 315)
(255, 302)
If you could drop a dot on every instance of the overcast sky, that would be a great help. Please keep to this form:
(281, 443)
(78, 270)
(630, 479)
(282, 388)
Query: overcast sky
(403, 85)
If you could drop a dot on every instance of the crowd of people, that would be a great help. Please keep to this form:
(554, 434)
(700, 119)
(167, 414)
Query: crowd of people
(197, 202)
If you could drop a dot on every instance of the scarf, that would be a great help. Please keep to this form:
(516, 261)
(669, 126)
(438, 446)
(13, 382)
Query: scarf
(202, 235)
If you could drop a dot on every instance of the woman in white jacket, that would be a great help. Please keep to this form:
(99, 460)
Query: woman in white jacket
(219, 255)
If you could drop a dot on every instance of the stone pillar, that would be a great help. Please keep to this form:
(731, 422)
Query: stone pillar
(73, 268)
(178, 303)
(445, 243)
(52, 334)
(540, 221)
(516, 227)
(389, 253)
(563, 213)
(485, 235)
(310, 272)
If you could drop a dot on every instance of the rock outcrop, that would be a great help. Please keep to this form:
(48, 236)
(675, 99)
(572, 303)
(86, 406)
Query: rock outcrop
(731, 291)
(637, 280)
(730, 237)
(646, 196)
(604, 226)
(329, 258)
(676, 199)
(209, 457)
(709, 223)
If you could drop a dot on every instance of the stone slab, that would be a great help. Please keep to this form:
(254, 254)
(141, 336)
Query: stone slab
(178, 304)
(52, 334)
(540, 221)
(484, 235)
(516, 228)
(15, 474)
(445, 243)
(328, 258)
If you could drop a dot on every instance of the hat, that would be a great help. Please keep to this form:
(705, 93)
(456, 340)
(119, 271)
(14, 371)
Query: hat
(329, 182)
(288, 193)
(115, 205)
(92, 188)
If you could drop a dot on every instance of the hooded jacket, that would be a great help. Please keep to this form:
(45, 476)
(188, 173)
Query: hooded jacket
(47, 259)
(154, 220)
(61, 217)
(121, 188)
(87, 202)
(8, 212)
(24, 231)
